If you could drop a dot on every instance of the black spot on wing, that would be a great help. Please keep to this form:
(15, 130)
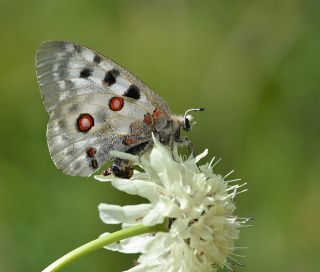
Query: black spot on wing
(61, 124)
(77, 48)
(97, 59)
(132, 92)
(138, 148)
(94, 164)
(74, 108)
(85, 73)
(110, 77)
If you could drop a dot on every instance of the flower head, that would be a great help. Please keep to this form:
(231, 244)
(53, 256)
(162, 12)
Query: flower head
(197, 203)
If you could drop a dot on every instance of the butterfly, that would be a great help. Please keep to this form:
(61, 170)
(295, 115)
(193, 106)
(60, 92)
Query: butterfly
(96, 106)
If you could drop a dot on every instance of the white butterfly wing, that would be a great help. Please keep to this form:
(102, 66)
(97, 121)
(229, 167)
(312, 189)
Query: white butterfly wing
(78, 85)
(66, 69)
(81, 153)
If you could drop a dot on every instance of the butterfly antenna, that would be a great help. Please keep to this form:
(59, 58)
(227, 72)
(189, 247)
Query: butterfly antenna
(189, 110)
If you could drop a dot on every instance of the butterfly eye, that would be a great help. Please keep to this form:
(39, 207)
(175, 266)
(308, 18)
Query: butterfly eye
(186, 126)
(85, 122)
(186, 123)
(116, 103)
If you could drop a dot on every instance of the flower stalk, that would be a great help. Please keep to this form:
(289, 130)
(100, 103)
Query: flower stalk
(102, 241)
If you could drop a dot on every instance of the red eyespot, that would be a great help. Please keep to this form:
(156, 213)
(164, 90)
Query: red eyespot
(129, 141)
(85, 122)
(157, 113)
(147, 119)
(116, 103)
(91, 152)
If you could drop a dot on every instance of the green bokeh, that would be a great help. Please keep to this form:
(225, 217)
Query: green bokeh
(254, 66)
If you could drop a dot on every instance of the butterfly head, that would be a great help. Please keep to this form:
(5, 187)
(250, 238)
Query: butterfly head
(186, 119)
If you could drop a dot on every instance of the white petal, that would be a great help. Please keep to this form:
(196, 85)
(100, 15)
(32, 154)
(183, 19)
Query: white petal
(202, 155)
(167, 169)
(155, 216)
(103, 178)
(161, 243)
(146, 267)
(131, 214)
(142, 188)
(165, 207)
(179, 226)
(139, 175)
(134, 244)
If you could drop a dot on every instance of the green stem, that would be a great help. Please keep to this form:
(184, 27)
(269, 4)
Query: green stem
(103, 241)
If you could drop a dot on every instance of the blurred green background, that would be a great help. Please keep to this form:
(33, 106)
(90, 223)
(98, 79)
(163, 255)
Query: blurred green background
(254, 66)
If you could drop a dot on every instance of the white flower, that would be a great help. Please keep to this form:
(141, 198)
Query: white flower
(198, 204)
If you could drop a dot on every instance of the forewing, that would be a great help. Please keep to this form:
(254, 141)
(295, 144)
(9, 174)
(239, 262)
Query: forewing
(65, 70)
(75, 80)
(80, 153)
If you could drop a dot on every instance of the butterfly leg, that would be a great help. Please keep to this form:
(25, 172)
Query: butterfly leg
(191, 150)
(120, 168)
(190, 145)
(124, 168)
(186, 141)
(181, 141)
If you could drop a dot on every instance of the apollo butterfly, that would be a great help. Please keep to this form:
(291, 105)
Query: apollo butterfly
(96, 106)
